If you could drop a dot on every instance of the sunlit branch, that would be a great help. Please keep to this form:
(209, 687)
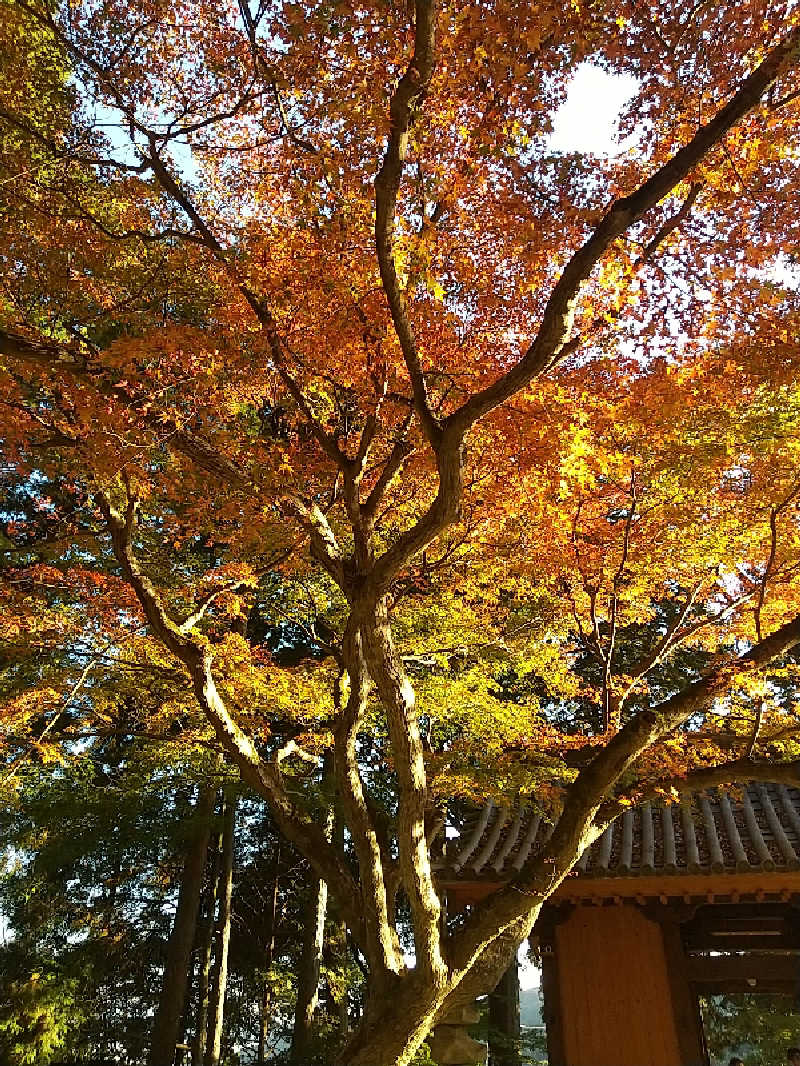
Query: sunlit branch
(197, 656)
(557, 320)
(404, 108)
(671, 223)
(729, 773)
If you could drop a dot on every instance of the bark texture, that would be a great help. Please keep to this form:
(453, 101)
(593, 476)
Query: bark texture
(206, 946)
(223, 936)
(310, 963)
(166, 1027)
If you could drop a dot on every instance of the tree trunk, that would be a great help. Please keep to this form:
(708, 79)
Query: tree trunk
(504, 1028)
(310, 962)
(337, 975)
(313, 942)
(266, 996)
(179, 949)
(392, 1031)
(263, 1020)
(225, 892)
(206, 950)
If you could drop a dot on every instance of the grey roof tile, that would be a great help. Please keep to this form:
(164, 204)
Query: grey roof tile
(750, 828)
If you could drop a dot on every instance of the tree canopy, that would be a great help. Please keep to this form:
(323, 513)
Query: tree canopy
(343, 414)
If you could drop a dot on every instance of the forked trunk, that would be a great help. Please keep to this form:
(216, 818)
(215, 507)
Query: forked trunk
(391, 1033)
(394, 1028)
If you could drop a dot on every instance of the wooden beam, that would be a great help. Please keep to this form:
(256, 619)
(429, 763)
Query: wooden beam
(673, 886)
(762, 968)
(677, 886)
(768, 926)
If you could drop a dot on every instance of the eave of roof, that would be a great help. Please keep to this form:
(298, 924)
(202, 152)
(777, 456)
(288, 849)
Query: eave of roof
(751, 830)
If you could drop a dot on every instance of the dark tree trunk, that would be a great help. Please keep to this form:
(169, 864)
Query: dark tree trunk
(269, 955)
(504, 1027)
(337, 975)
(263, 1023)
(166, 1026)
(310, 962)
(313, 941)
(206, 939)
(223, 935)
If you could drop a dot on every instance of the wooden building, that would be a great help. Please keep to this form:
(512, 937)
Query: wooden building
(669, 904)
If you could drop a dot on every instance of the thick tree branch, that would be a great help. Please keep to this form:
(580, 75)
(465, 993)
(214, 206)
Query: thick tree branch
(729, 773)
(397, 696)
(557, 319)
(401, 450)
(196, 655)
(380, 941)
(406, 102)
(671, 223)
(324, 545)
(595, 780)
(576, 827)
(556, 326)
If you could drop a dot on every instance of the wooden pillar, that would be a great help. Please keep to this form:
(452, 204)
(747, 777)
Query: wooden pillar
(504, 1028)
(614, 990)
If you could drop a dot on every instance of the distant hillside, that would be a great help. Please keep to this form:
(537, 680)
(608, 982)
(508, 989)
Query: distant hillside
(530, 1008)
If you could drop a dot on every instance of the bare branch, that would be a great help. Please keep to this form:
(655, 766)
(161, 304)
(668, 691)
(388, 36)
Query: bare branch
(196, 615)
(669, 640)
(291, 749)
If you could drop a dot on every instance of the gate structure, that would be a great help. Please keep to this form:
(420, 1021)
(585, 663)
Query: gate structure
(671, 903)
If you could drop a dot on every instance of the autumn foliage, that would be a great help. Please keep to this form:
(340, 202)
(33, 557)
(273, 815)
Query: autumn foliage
(337, 405)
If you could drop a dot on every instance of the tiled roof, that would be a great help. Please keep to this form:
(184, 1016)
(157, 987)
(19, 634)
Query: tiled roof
(751, 828)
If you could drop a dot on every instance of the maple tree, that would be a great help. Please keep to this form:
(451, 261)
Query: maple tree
(304, 325)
